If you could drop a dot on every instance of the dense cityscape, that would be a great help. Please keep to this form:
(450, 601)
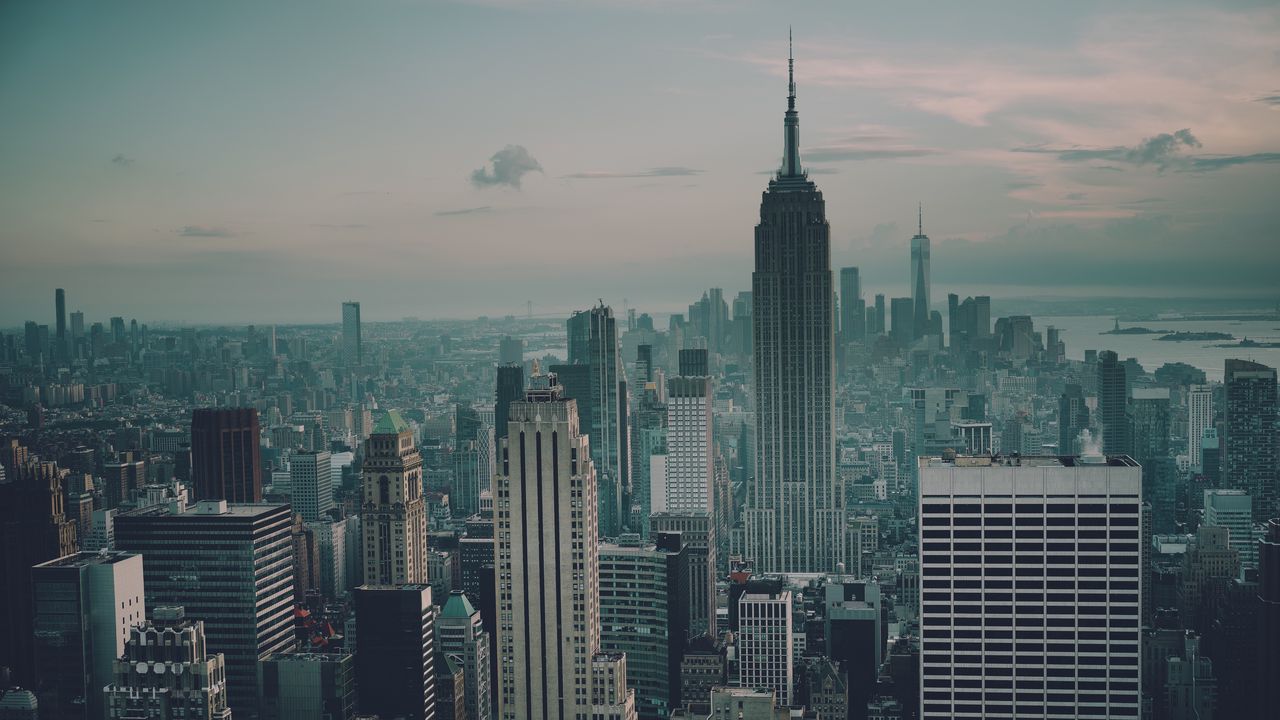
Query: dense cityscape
(794, 500)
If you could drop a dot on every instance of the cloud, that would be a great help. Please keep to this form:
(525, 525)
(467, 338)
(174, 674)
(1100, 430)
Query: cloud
(1272, 100)
(203, 231)
(121, 160)
(1201, 164)
(466, 211)
(340, 226)
(667, 171)
(847, 152)
(1075, 196)
(506, 167)
(1162, 150)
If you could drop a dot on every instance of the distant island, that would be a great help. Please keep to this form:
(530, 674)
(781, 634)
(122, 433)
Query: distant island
(1132, 331)
(1247, 343)
(1196, 336)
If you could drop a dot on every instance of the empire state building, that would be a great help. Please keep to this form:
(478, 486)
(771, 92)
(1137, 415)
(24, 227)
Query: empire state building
(795, 516)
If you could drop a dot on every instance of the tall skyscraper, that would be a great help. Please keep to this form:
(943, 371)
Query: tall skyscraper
(881, 328)
(1041, 621)
(472, 459)
(60, 338)
(593, 342)
(902, 316)
(393, 515)
(352, 346)
(85, 604)
(1249, 456)
(548, 560)
(766, 656)
(1199, 417)
(311, 483)
(463, 638)
(796, 515)
(510, 389)
(395, 651)
(306, 685)
(1113, 405)
(1233, 510)
(226, 458)
(1269, 616)
(193, 685)
(920, 279)
(1073, 418)
(230, 565)
(853, 309)
(690, 448)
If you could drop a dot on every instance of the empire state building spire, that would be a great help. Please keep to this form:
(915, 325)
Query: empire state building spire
(791, 125)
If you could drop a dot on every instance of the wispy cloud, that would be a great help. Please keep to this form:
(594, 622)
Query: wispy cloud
(466, 211)
(855, 152)
(1225, 161)
(206, 231)
(1272, 100)
(667, 171)
(121, 160)
(340, 226)
(1160, 150)
(506, 167)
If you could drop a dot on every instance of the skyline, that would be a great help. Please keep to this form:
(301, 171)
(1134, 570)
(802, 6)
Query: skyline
(383, 156)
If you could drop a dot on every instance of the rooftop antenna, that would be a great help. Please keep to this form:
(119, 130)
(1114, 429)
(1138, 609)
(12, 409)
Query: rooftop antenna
(920, 219)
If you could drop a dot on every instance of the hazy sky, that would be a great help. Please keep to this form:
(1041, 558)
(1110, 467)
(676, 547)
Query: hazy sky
(263, 161)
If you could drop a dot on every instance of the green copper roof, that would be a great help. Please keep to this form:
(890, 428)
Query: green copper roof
(390, 424)
(457, 606)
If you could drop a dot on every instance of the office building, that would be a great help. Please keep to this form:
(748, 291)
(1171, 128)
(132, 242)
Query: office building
(855, 631)
(1233, 510)
(60, 337)
(307, 686)
(462, 637)
(226, 459)
(511, 350)
(85, 604)
(853, 309)
(902, 315)
(230, 565)
(920, 279)
(167, 672)
(648, 446)
(396, 651)
(510, 389)
(698, 533)
(797, 507)
(393, 512)
(593, 343)
(766, 657)
(1031, 585)
(1113, 410)
(311, 483)
(690, 447)
(472, 459)
(352, 346)
(644, 596)
(1199, 419)
(611, 699)
(1249, 457)
(1073, 419)
(1269, 616)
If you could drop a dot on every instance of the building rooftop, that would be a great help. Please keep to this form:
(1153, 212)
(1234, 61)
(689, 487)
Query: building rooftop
(84, 559)
(457, 606)
(390, 424)
(1027, 461)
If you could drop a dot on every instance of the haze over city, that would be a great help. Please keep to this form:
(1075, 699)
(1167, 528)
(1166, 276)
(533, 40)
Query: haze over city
(260, 162)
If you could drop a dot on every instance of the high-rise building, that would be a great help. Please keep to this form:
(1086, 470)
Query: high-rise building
(698, 533)
(1113, 399)
(393, 512)
(920, 279)
(306, 685)
(60, 338)
(1269, 616)
(1249, 445)
(1041, 621)
(395, 651)
(311, 483)
(611, 699)
(510, 389)
(593, 342)
(766, 656)
(1073, 419)
(548, 560)
(1149, 438)
(1233, 510)
(226, 457)
(853, 309)
(644, 596)
(463, 638)
(795, 517)
(648, 445)
(472, 459)
(1199, 418)
(193, 684)
(230, 565)
(881, 327)
(85, 604)
(690, 448)
(352, 346)
(34, 528)
(511, 350)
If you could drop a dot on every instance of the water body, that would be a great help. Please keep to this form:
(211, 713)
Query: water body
(1083, 332)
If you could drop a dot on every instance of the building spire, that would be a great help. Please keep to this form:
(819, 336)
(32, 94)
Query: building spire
(791, 124)
(920, 219)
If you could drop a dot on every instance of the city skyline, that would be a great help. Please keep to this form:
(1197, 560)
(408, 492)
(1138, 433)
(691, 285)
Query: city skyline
(1122, 135)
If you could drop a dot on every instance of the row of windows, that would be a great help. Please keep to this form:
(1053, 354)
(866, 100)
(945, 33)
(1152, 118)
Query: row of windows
(1025, 508)
(1024, 683)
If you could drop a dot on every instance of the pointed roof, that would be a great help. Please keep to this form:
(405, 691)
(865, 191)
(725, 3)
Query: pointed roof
(457, 606)
(390, 424)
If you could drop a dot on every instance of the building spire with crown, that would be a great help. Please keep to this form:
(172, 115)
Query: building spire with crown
(791, 123)
(920, 219)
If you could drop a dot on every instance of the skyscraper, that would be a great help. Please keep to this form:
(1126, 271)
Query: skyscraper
(311, 483)
(463, 637)
(1269, 616)
(853, 309)
(1199, 417)
(85, 604)
(593, 342)
(920, 279)
(395, 651)
(796, 515)
(1041, 621)
(902, 316)
(393, 516)
(548, 561)
(194, 684)
(1073, 418)
(226, 459)
(510, 389)
(352, 347)
(1113, 410)
(1249, 456)
(60, 339)
(766, 658)
(879, 314)
(690, 449)
(230, 565)
(1233, 510)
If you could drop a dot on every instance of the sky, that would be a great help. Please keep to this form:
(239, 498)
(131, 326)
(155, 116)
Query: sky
(262, 162)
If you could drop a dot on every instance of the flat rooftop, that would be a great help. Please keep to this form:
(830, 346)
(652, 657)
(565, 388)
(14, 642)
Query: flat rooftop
(1027, 461)
(86, 558)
